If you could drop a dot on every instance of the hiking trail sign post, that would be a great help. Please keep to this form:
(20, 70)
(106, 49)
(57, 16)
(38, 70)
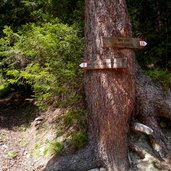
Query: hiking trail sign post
(114, 42)
(105, 64)
(121, 42)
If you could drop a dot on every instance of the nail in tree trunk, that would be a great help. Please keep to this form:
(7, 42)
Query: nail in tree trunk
(110, 93)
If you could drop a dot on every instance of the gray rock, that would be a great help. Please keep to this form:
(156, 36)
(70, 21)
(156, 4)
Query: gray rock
(38, 119)
(94, 169)
(102, 169)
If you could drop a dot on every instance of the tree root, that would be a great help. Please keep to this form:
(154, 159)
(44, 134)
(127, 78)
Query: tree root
(142, 128)
(139, 151)
(158, 143)
(152, 102)
(164, 108)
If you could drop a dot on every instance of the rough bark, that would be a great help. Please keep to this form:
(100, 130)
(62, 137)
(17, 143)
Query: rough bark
(109, 93)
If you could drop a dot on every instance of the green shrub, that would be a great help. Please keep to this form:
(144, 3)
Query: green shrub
(75, 117)
(47, 57)
(55, 147)
(79, 139)
(4, 90)
(161, 76)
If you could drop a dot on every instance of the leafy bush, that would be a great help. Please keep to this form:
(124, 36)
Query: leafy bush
(46, 57)
(55, 147)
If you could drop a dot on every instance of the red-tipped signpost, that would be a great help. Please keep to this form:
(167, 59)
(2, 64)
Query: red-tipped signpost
(114, 42)
(105, 64)
(121, 42)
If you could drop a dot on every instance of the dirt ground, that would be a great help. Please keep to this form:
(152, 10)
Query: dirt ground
(24, 133)
(21, 139)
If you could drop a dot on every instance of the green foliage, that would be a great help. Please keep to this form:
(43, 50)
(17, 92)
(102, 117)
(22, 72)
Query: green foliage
(4, 87)
(58, 131)
(72, 130)
(53, 147)
(161, 76)
(4, 90)
(46, 57)
(37, 152)
(56, 147)
(152, 19)
(79, 139)
(11, 154)
(75, 117)
(16, 13)
(70, 101)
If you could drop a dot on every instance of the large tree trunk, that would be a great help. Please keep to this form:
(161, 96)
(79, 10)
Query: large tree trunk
(110, 93)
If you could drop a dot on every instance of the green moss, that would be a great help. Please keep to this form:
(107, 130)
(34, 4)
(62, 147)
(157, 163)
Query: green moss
(79, 139)
(58, 131)
(55, 147)
(75, 117)
(11, 154)
(161, 76)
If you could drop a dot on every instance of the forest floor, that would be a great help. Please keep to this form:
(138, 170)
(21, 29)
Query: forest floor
(25, 134)
(24, 137)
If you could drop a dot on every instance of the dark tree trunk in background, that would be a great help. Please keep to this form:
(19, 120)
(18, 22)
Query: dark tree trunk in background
(110, 93)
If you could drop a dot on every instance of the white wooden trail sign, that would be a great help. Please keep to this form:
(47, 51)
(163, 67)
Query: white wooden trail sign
(105, 64)
(121, 42)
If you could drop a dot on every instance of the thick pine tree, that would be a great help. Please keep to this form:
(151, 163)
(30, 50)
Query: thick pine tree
(110, 93)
